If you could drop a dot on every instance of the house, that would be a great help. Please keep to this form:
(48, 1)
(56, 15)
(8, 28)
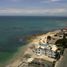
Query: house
(46, 49)
(39, 51)
(52, 39)
(40, 63)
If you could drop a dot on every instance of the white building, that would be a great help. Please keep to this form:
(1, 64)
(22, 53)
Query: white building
(46, 49)
(46, 46)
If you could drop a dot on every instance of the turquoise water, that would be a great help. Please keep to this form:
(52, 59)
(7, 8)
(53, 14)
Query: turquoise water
(14, 29)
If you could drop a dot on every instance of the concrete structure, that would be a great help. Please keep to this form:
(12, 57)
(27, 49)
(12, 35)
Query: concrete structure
(40, 63)
(46, 49)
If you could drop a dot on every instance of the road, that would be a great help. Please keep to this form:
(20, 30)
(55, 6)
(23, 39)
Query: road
(63, 61)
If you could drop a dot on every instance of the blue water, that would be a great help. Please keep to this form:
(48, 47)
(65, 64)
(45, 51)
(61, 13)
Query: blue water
(13, 29)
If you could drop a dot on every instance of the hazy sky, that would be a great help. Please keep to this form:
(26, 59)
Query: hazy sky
(34, 7)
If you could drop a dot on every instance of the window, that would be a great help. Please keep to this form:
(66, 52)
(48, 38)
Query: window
(55, 35)
(66, 34)
(60, 36)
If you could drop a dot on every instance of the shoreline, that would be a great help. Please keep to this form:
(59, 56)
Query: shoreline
(22, 50)
(34, 40)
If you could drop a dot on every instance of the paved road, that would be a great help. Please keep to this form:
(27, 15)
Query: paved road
(63, 61)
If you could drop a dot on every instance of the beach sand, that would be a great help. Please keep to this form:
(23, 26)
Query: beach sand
(16, 60)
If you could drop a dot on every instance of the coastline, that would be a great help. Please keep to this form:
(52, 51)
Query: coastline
(18, 55)
(21, 53)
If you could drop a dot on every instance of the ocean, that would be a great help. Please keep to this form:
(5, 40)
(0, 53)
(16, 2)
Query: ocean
(13, 29)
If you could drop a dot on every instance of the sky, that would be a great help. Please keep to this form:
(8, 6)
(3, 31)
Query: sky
(33, 7)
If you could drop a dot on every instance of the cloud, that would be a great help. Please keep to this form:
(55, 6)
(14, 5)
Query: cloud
(54, 0)
(30, 11)
(13, 0)
(49, 1)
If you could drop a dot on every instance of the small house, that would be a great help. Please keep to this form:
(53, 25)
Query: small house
(46, 49)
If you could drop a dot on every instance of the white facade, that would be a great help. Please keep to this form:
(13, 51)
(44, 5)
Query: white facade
(45, 49)
(39, 51)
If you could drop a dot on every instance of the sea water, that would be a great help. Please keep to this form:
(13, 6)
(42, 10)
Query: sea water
(14, 28)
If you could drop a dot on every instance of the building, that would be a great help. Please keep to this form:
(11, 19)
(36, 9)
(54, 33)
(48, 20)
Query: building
(40, 63)
(46, 49)
(46, 45)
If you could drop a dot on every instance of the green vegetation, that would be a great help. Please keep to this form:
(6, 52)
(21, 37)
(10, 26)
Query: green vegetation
(62, 42)
(49, 37)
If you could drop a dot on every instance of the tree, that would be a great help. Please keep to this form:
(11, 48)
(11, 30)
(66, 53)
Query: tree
(62, 42)
(48, 37)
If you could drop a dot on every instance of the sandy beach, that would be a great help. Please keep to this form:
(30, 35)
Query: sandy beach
(17, 59)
